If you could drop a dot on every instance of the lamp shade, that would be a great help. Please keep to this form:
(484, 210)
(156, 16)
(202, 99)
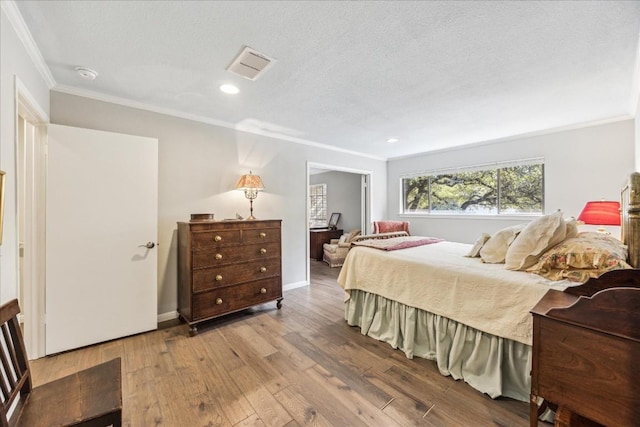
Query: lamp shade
(250, 182)
(601, 213)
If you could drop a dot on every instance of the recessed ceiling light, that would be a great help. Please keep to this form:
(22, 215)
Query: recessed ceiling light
(229, 88)
(392, 140)
(87, 73)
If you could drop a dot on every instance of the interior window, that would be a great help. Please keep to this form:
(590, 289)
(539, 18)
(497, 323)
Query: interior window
(318, 205)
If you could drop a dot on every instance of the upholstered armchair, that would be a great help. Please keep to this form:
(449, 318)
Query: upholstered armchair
(336, 251)
(389, 226)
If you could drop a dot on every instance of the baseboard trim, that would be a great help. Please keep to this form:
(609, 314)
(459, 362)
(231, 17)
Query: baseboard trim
(295, 285)
(163, 317)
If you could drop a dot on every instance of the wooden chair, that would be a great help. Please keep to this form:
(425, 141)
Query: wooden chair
(92, 397)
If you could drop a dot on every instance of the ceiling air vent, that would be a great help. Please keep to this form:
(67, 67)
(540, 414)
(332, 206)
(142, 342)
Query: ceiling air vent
(250, 64)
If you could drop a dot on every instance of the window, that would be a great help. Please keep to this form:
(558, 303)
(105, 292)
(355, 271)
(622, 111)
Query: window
(501, 188)
(318, 205)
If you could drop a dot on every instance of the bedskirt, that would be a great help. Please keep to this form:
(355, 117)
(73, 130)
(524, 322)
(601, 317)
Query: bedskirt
(493, 365)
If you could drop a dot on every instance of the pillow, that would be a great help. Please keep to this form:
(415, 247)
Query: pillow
(380, 227)
(495, 249)
(589, 254)
(538, 236)
(572, 228)
(475, 250)
(574, 275)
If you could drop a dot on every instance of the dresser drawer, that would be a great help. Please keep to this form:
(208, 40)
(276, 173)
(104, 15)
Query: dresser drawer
(230, 254)
(260, 235)
(234, 298)
(206, 239)
(215, 277)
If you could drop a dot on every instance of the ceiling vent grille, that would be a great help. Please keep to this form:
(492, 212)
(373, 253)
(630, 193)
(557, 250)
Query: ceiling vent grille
(250, 64)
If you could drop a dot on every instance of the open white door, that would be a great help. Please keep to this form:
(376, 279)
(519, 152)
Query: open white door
(102, 209)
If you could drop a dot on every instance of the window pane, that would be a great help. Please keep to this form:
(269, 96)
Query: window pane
(465, 192)
(416, 194)
(521, 189)
(318, 205)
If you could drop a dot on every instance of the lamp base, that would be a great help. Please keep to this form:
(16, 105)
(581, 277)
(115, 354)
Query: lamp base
(250, 217)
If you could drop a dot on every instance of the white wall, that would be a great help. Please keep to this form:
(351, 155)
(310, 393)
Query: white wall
(14, 62)
(199, 165)
(343, 195)
(582, 164)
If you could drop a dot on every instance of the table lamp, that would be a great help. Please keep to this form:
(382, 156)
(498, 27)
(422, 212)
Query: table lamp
(251, 184)
(601, 213)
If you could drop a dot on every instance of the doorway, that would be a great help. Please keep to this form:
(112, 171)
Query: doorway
(30, 169)
(351, 199)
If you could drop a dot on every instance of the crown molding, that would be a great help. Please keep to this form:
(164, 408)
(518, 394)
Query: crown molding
(196, 118)
(24, 35)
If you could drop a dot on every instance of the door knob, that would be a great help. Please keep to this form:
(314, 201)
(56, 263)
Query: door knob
(149, 245)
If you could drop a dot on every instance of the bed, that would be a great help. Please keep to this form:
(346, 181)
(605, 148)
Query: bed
(472, 318)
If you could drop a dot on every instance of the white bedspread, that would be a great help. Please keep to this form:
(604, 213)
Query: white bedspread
(438, 278)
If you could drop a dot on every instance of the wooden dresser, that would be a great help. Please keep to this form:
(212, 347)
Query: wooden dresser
(227, 266)
(586, 352)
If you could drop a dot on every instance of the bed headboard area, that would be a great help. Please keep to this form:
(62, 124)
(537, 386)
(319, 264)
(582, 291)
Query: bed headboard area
(630, 207)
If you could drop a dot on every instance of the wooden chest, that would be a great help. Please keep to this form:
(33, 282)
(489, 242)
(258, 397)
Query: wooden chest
(227, 266)
(586, 351)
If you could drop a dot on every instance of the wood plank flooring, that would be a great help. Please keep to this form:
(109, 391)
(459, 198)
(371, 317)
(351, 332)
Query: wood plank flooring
(301, 365)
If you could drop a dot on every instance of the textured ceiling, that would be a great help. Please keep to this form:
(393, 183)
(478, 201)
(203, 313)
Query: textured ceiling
(352, 74)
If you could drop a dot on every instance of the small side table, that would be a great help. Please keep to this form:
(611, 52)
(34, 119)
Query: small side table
(318, 237)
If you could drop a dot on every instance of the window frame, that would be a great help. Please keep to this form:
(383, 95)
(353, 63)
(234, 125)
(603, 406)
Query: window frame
(479, 167)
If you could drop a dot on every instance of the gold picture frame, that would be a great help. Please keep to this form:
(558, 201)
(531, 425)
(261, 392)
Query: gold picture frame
(2, 179)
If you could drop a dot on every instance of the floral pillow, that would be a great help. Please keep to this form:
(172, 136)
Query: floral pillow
(579, 258)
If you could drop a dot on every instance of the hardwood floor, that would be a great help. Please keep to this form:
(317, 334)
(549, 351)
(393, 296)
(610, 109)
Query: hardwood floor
(301, 365)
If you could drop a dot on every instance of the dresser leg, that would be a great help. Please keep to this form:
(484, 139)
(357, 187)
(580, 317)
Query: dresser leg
(193, 330)
(279, 303)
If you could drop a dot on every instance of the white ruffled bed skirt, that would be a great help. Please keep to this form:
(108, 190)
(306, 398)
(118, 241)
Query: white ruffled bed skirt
(493, 365)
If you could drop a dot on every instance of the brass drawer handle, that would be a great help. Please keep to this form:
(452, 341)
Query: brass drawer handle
(218, 256)
(263, 235)
(218, 277)
(263, 291)
(263, 251)
(263, 269)
(218, 301)
(217, 238)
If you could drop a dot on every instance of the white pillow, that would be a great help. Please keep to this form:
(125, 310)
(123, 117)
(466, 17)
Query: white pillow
(495, 250)
(475, 250)
(536, 238)
(572, 228)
